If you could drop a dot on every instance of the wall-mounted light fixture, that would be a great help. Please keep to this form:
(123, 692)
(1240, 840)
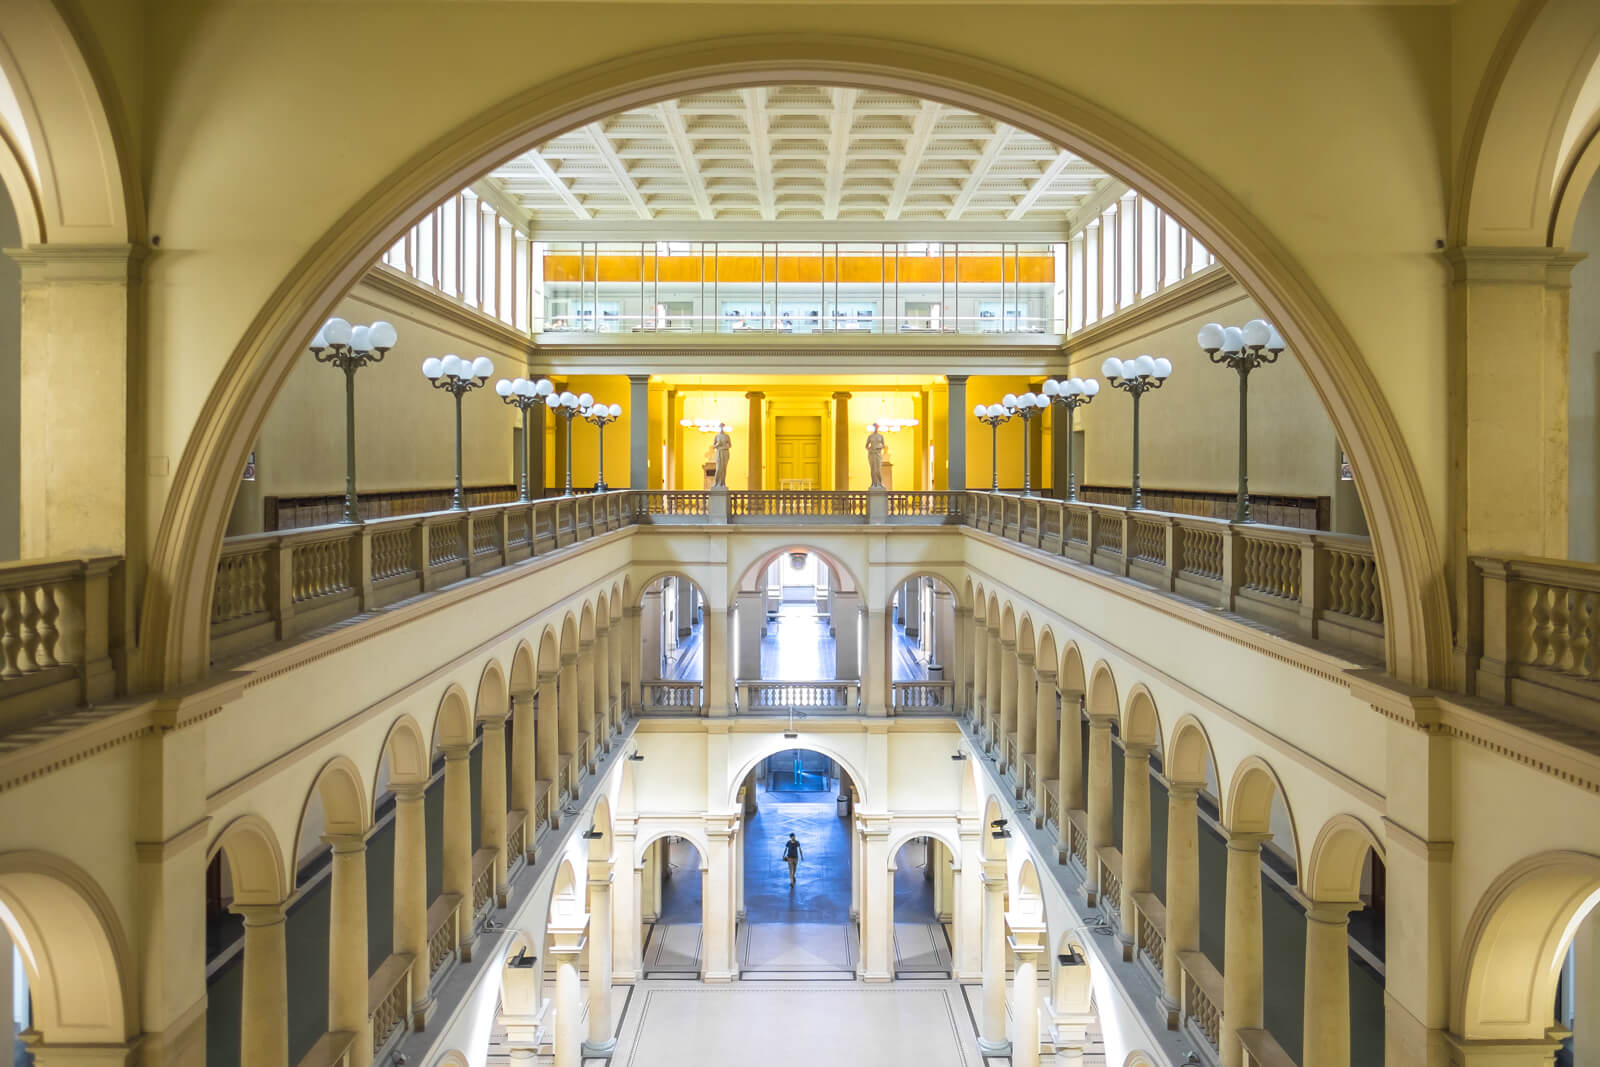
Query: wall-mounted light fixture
(636, 756)
(591, 834)
(522, 961)
(1070, 958)
(959, 756)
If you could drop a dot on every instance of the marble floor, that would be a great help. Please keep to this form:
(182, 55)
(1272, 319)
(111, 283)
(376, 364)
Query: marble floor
(821, 893)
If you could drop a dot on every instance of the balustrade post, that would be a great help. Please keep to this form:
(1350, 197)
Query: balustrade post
(1232, 568)
(1169, 574)
(1313, 584)
(504, 518)
(1092, 528)
(1125, 561)
(282, 556)
(424, 554)
(363, 568)
(1490, 624)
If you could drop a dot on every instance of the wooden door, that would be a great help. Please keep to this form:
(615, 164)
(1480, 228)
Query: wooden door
(797, 441)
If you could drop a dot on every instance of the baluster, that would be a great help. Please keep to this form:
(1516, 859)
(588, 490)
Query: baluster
(48, 634)
(27, 631)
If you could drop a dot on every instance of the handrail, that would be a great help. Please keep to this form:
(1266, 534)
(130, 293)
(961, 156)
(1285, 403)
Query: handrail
(1534, 625)
(389, 995)
(660, 695)
(1261, 1049)
(925, 695)
(444, 931)
(1202, 996)
(826, 694)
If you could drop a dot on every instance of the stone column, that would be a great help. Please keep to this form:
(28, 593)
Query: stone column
(751, 615)
(547, 752)
(637, 652)
(846, 620)
(912, 594)
(567, 944)
(650, 883)
(1241, 954)
(1183, 891)
(857, 907)
(1027, 945)
(969, 904)
(1046, 731)
(616, 650)
(685, 609)
(1135, 832)
(1100, 825)
(626, 948)
(76, 458)
(956, 432)
(347, 945)
(569, 697)
(978, 645)
(583, 681)
(992, 704)
(457, 867)
(1008, 699)
(1586, 990)
(875, 699)
(992, 1022)
(841, 442)
(1326, 1041)
(524, 753)
(716, 930)
(600, 1042)
(639, 431)
(718, 674)
(411, 892)
(1027, 687)
(601, 726)
(758, 438)
(264, 1004)
(492, 821)
(877, 917)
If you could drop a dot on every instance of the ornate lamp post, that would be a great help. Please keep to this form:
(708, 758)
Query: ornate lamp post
(522, 395)
(458, 377)
(1136, 377)
(1025, 407)
(1071, 394)
(350, 348)
(569, 406)
(992, 416)
(599, 416)
(1244, 349)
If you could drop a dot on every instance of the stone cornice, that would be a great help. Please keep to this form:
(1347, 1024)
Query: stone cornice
(1206, 285)
(385, 282)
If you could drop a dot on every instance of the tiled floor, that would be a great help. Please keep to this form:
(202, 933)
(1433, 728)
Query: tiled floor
(797, 648)
(821, 892)
(838, 1024)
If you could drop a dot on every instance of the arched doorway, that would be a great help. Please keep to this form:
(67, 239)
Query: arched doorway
(922, 644)
(798, 635)
(799, 919)
(672, 652)
(923, 908)
(672, 907)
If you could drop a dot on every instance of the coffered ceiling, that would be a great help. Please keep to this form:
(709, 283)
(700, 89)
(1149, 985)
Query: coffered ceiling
(795, 155)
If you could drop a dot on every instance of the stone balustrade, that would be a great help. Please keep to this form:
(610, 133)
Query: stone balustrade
(389, 994)
(1534, 630)
(773, 697)
(57, 634)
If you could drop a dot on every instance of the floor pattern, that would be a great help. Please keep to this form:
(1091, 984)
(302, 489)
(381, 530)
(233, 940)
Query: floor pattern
(781, 1025)
(921, 951)
(797, 951)
(672, 950)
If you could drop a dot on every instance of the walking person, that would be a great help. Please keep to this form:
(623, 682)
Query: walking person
(792, 855)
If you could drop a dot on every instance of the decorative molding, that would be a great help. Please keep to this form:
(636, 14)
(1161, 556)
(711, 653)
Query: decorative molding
(1213, 284)
(385, 282)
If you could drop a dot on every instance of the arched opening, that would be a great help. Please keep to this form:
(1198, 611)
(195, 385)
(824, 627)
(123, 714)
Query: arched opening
(672, 652)
(924, 873)
(922, 644)
(799, 635)
(672, 907)
(799, 883)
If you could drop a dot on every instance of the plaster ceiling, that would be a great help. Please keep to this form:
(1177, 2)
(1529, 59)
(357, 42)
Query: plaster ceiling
(796, 154)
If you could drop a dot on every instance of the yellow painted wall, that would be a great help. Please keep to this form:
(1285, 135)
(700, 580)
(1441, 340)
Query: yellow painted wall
(989, 389)
(1189, 431)
(405, 428)
(607, 389)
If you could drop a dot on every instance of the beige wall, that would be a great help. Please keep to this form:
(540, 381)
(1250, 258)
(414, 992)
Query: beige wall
(405, 429)
(10, 397)
(1189, 427)
(1583, 538)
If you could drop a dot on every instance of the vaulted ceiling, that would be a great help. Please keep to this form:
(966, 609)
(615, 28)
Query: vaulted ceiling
(797, 154)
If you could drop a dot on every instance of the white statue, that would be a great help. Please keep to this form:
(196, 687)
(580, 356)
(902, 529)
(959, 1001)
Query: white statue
(721, 444)
(875, 449)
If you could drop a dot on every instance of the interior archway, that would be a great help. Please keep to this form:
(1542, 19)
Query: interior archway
(184, 559)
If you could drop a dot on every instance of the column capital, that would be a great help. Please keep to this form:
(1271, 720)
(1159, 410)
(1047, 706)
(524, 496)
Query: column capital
(526, 695)
(1102, 722)
(1025, 658)
(841, 396)
(549, 677)
(1247, 841)
(1188, 792)
(346, 843)
(956, 379)
(1488, 264)
(1045, 674)
(1136, 750)
(633, 611)
(457, 752)
(255, 915)
(408, 791)
(1331, 912)
(569, 659)
(638, 379)
(1007, 644)
(493, 719)
(755, 394)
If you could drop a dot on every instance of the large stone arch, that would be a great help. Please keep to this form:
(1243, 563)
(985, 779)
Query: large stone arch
(1505, 979)
(749, 567)
(1333, 866)
(407, 755)
(78, 960)
(255, 860)
(1248, 803)
(1189, 757)
(183, 560)
(774, 743)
